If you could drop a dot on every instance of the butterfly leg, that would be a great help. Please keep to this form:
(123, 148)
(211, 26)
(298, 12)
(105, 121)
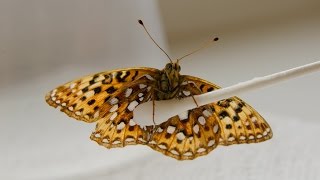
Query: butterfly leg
(194, 100)
(153, 109)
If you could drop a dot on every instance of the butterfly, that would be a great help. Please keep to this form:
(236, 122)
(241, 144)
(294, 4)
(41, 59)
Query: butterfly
(109, 99)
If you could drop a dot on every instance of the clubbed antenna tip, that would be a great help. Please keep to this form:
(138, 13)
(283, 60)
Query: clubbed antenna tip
(215, 39)
(140, 22)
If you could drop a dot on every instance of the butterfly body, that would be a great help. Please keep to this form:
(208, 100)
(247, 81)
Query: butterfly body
(168, 84)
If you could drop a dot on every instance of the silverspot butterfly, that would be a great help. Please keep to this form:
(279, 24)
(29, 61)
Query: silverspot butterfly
(109, 98)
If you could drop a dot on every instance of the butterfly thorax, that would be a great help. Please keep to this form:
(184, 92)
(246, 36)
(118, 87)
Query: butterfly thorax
(170, 81)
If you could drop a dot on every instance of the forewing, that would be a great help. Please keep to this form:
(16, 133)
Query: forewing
(238, 121)
(90, 98)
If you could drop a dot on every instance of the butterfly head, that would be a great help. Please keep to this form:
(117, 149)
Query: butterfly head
(172, 69)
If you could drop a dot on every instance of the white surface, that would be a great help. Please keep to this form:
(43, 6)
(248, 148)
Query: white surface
(144, 112)
(46, 43)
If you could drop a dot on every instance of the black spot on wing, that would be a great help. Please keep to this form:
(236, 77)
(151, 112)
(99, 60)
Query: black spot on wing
(84, 90)
(223, 114)
(83, 98)
(111, 90)
(97, 90)
(123, 78)
(210, 89)
(92, 101)
(91, 82)
(134, 76)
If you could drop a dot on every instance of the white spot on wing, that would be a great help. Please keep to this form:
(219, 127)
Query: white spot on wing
(259, 136)
(128, 92)
(174, 152)
(181, 136)
(215, 128)
(132, 123)
(113, 116)
(149, 77)
(120, 126)
(114, 108)
(140, 94)
(171, 129)
(254, 119)
(141, 86)
(200, 150)
(183, 115)
(206, 113)
(196, 128)
(202, 120)
(129, 140)
(53, 93)
(211, 143)
(186, 93)
(114, 101)
(96, 114)
(116, 142)
(73, 85)
(265, 133)
(187, 154)
(132, 105)
(123, 74)
(162, 146)
(70, 108)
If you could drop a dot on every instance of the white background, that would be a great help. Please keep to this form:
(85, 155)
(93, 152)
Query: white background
(46, 43)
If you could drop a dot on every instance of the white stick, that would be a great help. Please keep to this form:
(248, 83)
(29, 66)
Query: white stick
(169, 108)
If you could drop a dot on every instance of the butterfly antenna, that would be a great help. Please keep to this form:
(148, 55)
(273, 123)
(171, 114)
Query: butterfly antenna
(140, 22)
(205, 45)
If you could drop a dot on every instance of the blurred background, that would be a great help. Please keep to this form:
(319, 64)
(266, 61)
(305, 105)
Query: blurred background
(45, 43)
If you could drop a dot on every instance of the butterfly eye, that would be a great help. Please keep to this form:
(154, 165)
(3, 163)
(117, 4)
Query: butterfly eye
(169, 66)
(179, 68)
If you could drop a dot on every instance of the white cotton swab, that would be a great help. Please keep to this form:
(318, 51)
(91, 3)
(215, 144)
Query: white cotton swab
(143, 114)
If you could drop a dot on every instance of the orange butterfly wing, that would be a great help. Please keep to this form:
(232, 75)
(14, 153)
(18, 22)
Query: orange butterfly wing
(108, 98)
(198, 131)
